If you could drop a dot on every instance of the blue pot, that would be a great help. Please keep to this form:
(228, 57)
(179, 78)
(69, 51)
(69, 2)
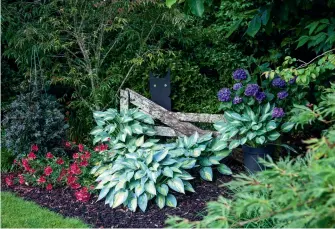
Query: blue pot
(251, 156)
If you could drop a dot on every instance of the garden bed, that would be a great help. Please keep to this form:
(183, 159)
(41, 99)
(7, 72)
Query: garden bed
(97, 214)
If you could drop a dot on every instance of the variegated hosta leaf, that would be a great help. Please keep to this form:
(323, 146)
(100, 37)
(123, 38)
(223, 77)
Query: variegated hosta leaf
(163, 189)
(132, 203)
(120, 197)
(150, 187)
(143, 202)
(160, 201)
(103, 193)
(188, 186)
(225, 170)
(206, 173)
(160, 155)
(176, 184)
(171, 201)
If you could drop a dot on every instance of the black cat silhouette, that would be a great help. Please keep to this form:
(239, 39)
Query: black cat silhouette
(160, 89)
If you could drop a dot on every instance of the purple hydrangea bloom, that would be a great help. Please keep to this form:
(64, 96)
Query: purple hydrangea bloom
(260, 96)
(237, 100)
(278, 82)
(278, 112)
(282, 95)
(237, 86)
(292, 81)
(251, 89)
(240, 74)
(224, 95)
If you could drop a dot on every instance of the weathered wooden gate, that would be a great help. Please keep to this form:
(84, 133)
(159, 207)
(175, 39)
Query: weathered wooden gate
(177, 123)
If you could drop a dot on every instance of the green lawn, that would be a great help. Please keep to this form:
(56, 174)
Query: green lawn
(18, 213)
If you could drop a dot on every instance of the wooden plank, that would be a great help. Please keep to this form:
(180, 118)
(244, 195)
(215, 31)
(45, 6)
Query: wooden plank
(166, 131)
(124, 100)
(195, 117)
(165, 116)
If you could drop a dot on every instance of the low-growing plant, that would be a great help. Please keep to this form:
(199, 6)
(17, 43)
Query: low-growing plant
(136, 168)
(34, 118)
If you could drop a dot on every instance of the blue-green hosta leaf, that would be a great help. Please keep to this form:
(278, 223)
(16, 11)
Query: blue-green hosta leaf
(273, 136)
(160, 201)
(204, 138)
(153, 175)
(251, 135)
(149, 158)
(139, 141)
(215, 160)
(234, 144)
(188, 163)
(168, 161)
(127, 130)
(271, 125)
(171, 201)
(98, 114)
(233, 133)
(223, 153)
(287, 126)
(122, 136)
(160, 155)
(110, 197)
(163, 189)
(120, 197)
(238, 117)
(147, 144)
(97, 130)
(192, 140)
(132, 203)
(120, 185)
(261, 132)
(264, 117)
(130, 175)
(225, 170)
(266, 108)
(142, 201)
(184, 176)
(257, 127)
(176, 184)
(103, 193)
(150, 187)
(137, 128)
(119, 146)
(109, 117)
(126, 119)
(96, 140)
(206, 173)
(243, 130)
(243, 140)
(218, 145)
(176, 170)
(196, 152)
(139, 189)
(177, 152)
(168, 172)
(188, 186)
(219, 126)
(100, 122)
(260, 140)
(150, 132)
(204, 161)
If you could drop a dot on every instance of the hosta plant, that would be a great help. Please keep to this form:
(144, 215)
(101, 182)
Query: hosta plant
(136, 168)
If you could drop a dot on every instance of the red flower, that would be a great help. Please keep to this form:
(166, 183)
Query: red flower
(62, 174)
(9, 180)
(21, 179)
(41, 180)
(75, 185)
(82, 195)
(101, 147)
(81, 147)
(75, 156)
(84, 163)
(32, 171)
(34, 148)
(49, 155)
(15, 161)
(87, 155)
(48, 170)
(67, 144)
(25, 164)
(74, 169)
(49, 187)
(60, 161)
(31, 155)
(71, 179)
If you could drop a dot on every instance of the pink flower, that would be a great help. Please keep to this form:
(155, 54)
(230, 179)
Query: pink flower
(21, 179)
(82, 195)
(25, 164)
(84, 163)
(75, 156)
(48, 170)
(49, 187)
(87, 155)
(49, 155)
(81, 147)
(75, 185)
(68, 144)
(31, 155)
(60, 161)
(41, 180)
(34, 148)
(9, 180)
(74, 169)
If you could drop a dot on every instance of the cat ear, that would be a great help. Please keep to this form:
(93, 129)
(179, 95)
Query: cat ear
(168, 75)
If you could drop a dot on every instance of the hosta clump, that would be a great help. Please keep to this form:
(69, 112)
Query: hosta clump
(34, 118)
(253, 128)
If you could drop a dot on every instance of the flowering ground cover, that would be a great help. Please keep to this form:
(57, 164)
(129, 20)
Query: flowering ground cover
(62, 200)
(18, 213)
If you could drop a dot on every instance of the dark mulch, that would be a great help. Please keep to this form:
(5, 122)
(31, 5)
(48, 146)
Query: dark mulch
(97, 214)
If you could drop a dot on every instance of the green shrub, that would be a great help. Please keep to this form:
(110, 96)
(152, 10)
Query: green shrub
(34, 118)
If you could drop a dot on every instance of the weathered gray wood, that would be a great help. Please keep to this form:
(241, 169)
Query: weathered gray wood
(168, 118)
(195, 117)
(166, 131)
(124, 100)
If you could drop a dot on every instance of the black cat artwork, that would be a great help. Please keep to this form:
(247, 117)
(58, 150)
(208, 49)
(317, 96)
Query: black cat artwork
(160, 89)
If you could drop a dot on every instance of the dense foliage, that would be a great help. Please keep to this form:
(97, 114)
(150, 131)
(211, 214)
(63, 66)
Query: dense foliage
(292, 192)
(34, 118)
(136, 169)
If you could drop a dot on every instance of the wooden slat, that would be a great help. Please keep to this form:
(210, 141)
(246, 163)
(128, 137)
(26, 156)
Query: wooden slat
(124, 100)
(166, 131)
(196, 117)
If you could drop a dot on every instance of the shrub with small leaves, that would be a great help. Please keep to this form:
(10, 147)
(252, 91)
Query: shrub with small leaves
(34, 118)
